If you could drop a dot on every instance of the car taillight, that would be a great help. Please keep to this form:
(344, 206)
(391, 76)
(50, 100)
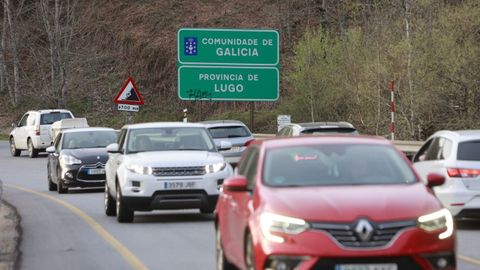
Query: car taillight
(457, 172)
(247, 143)
(37, 130)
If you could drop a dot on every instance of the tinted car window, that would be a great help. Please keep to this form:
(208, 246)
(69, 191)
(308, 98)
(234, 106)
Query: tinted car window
(229, 132)
(434, 151)
(88, 139)
(329, 131)
(469, 151)
(335, 164)
(50, 118)
(23, 121)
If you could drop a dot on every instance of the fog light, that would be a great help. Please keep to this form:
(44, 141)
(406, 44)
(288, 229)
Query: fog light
(69, 175)
(442, 262)
(135, 183)
(284, 262)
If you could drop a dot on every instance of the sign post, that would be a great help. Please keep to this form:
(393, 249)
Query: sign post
(129, 98)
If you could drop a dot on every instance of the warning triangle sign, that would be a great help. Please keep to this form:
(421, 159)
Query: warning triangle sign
(129, 94)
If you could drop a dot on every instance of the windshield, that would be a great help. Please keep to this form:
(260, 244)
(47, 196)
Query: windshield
(88, 139)
(229, 132)
(50, 118)
(335, 164)
(169, 139)
(330, 130)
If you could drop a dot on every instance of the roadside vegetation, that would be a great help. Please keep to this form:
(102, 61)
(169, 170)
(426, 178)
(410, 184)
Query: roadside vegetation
(337, 60)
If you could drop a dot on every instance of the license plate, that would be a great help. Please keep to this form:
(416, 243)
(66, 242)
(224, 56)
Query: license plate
(96, 171)
(179, 185)
(385, 266)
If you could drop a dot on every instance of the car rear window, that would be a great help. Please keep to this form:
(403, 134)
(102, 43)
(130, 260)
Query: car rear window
(229, 132)
(336, 164)
(469, 151)
(50, 118)
(329, 130)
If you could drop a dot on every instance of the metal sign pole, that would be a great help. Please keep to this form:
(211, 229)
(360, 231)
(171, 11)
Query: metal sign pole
(252, 120)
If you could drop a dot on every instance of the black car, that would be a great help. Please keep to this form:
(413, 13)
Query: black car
(77, 158)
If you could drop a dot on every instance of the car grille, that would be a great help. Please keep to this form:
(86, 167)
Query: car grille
(346, 235)
(403, 263)
(179, 171)
(83, 175)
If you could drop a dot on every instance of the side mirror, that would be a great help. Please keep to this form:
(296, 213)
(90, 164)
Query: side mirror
(224, 146)
(50, 149)
(236, 183)
(435, 180)
(112, 148)
(14, 125)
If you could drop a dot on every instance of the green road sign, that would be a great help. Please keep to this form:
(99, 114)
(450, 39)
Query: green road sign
(228, 47)
(228, 83)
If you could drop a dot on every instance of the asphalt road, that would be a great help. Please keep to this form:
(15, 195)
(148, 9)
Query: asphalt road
(70, 231)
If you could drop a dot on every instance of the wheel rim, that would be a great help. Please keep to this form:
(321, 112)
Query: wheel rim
(105, 197)
(117, 203)
(30, 147)
(12, 146)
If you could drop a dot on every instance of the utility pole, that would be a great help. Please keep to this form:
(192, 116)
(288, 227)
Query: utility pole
(392, 110)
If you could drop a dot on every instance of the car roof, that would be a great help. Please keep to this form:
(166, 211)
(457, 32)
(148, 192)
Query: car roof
(49, 111)
(461, 135)
(162, 125)
(221, 123)
(72, 130)
(327, 139)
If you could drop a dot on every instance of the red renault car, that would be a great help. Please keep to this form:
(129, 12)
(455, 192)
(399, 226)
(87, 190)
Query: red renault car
(331, 203)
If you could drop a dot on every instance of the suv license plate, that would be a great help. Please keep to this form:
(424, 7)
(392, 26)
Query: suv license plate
(386, 266)
(96, 171)
(179, 185)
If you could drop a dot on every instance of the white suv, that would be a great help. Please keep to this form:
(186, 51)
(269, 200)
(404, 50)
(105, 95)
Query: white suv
(32, 132)
(456, 155)
(164, 165)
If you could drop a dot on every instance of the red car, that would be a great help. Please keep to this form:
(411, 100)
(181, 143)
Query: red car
(331, 203)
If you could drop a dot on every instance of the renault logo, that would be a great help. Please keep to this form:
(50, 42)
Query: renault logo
(364, 230)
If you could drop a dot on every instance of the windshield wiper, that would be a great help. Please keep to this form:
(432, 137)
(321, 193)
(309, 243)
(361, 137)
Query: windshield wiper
(190, 149)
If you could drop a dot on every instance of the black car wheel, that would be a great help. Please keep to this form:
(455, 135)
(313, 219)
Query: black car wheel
(61, 188)
(124, 214)
(13, 150)
(32, 152)
(222, 262)
(51, 186)
(110, 207)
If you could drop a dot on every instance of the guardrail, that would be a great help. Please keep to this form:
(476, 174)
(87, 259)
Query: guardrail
(409, 147)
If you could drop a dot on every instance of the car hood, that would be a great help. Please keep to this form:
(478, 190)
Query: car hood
(174, 158)
(348, 203)
(88, 155)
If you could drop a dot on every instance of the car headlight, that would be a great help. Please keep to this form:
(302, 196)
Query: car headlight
(440, 220)
(272, 223)
(140, 169)
(213, 168)
(69, 160)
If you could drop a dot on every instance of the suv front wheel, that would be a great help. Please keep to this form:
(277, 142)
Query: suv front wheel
(124, 214)
(13, 150)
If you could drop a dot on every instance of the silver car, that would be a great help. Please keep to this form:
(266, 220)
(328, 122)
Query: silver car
(236, 132)
(316, 128)
(455, 155)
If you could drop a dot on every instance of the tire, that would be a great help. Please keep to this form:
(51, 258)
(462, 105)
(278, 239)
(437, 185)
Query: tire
(124, 214)
(109, 202)
(51, 186)
(249, 253)
(32, 152)
(222, 262)
(13, 150)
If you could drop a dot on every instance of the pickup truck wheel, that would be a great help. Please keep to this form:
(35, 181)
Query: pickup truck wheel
(13, 150)
(32, 152)
(110, 207)
(124, 214)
